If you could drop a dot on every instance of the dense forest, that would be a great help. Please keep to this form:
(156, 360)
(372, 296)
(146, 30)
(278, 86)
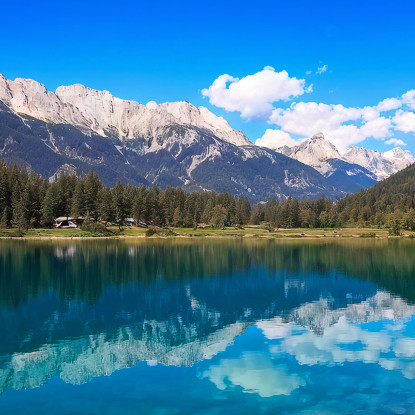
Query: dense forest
(29, 201)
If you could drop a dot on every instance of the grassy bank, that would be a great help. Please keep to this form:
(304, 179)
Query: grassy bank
(230, 232)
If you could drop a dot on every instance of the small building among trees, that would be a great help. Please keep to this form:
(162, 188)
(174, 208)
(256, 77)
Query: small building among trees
(129, 221)
(64, 222)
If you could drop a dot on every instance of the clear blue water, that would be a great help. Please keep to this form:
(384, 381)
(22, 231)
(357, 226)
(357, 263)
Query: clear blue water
(207, 327)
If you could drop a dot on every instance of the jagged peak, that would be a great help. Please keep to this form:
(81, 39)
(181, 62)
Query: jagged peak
(102, 112)
(318, 136)
(319, 147)
(357, 149)
(68, 92)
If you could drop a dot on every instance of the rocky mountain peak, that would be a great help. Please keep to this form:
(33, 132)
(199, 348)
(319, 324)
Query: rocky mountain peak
(314, 152)
(101, 112)
(317, 137)
(399, 153)
(382, 165)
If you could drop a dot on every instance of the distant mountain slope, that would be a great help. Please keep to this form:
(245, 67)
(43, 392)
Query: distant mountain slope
(176, 144)
(349, 177)
(382, 165)
(319, 153)
(357, 168)
(314, 152)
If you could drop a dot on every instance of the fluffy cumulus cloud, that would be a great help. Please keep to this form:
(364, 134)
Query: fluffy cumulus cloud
(253, 96)
(343, 126)
(377, 128)
(307, 118)
(256, 97)
(404, 121)
(275, 139)
(389, 104)
(409, 99)
(395, 142)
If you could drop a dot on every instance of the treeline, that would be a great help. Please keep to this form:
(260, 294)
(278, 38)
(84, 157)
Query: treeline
(29, 201)
(389, 203)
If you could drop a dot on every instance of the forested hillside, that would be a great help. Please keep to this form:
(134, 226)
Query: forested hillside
(27, 200)
(388, 201)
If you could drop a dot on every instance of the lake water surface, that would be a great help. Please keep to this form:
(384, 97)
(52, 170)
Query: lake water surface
(207, 327)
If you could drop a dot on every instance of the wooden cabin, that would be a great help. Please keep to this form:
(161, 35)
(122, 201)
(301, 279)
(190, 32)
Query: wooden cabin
(65, 222)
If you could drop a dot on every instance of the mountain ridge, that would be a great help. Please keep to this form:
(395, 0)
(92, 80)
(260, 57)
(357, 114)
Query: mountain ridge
(317, 151)
(170, 144)
(77, 128)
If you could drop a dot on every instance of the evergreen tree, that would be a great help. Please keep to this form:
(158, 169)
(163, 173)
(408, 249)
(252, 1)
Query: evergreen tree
(178, 218)
(105, 205)
(91, 188)
(119, 204)
(6, 219)
(5, 193)
(79, 203)
(50, 205)
(22, 213)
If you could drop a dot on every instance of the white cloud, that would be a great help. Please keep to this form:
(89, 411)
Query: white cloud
(409, 99)
(389, 104)
(370, 113)
(404, 121)
(275, 139)
(254, 95)
(305, 118)
(308, 118)
(322, 69)
(395, 142)
(377, 128)
(343, 126)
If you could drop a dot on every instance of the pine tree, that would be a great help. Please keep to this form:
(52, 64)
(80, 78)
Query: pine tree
(6, 219)
(178, 218)
(79, 200)
(105, 205)
(22, 214)
(207, 212)
(5, 194)
(119, 204)
(92, 186)
(50, 205)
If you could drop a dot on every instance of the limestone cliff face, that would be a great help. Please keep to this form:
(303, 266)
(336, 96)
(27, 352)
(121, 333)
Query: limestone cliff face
(105, 114)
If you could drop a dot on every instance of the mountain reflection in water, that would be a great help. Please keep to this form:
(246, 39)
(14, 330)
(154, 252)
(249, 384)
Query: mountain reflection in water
(275, 325)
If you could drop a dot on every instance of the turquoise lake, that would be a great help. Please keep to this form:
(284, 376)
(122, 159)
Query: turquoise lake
(207, 327)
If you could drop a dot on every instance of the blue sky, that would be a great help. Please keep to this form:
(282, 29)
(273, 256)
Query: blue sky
(172, 50)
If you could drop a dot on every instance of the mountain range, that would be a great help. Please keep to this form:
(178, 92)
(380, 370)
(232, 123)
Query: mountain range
(78, 129)
(357, 168)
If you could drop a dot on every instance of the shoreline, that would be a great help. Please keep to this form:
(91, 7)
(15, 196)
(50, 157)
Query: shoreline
(189, 233)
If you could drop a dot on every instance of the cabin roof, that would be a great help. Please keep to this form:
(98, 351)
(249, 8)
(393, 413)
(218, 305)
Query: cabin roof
(63, 218)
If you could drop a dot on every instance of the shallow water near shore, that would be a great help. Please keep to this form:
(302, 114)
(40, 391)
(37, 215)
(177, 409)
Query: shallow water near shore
(207, 326)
